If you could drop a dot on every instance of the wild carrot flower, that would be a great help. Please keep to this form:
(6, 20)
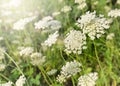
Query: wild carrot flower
(26, 51)
(68, 70)
(110, 36)
(20, 81)
(88, 79)
(20, 25)
(66, 9)
(51, 39)
(82, 4)
(114, 13)
(2, 66)
(37, 58)
(7, 84)
(48, 23)
(93, 25)
(75, 42)
(52, 72)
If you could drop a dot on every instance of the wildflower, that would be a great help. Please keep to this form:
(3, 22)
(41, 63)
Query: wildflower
(20, 81)
(2, 67)
(82, 4)
(118, 2)
(92, 25)
(37, 58)
(20, 25)
(51, 39)
(61, 78)
(1, 38)
(46, 23)
(7, 84)
(71, 69)
(75, 42)
(66, 9)
(114, 13)
(110, 36)
(88, 80)
(68, 70)
(0, 21)
(2, 50)
(55, 14)
(52, 72)
(26, 51)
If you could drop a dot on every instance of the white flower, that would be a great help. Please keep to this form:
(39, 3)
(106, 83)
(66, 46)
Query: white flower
(82, 4)
(2, 50)
(118, 2)
(88, 80)
(66, 9)
(92, 25)
(68, 70)
(75, 42)
(46, 23)
(7, 84)
(20, 81)
(114, 13)
(26, 51)
(2, 66)
(51, 39)
(1, 38)
(52, 72)
(55, 14)
(61, 78)
(71, 69)
(20, 25)
(42, 24)
(110, 36)
(37, 58)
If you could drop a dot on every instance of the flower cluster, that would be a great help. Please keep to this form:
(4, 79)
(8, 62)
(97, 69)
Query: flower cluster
(48, 22)
(93, 25)
(110, 36)
(7, 84)
(37, 58)
(82, 4)
(114, 13)
(66, 9)
(75, 42)
(26, 51)
(20, 81)
(88, 79)
(52, 72)
(20, 25)
(68, 70)
(2, 65)
(51, 39)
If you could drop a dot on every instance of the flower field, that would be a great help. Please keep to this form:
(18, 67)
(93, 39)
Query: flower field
(59, 42)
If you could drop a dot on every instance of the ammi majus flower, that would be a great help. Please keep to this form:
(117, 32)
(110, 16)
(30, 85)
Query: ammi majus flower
(92, 25)
(75, 42)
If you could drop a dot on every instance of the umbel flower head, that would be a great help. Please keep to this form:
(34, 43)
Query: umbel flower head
(75, 42)
(37, 58)
(93, 25)
(47, 24)
(26, 51)
(88, 79)
(114, 13)
(82, 4)
(66, 9)
(7, 84)
(51, 39)
(68, 70)
(20, 81)
(20, 25)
